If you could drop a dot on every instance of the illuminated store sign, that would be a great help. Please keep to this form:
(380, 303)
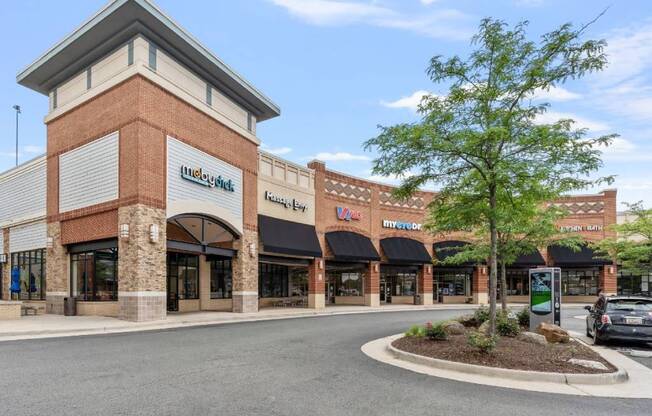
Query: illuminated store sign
(348, 214)
(286, 202)
(200, 176)
(401, 225)
(578, 228)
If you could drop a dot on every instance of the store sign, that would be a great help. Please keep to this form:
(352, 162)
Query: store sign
(289, 203)
(348, 214)
(200, 176)
(578, 228)
(401, 225)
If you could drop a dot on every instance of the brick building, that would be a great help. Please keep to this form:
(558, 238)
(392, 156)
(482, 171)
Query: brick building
(153, 197)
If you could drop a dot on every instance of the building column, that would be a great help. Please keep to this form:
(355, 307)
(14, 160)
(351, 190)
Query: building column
(424, 284)
(609, 280)
(6, 267)
(372, 285)
(57, 277)
(245, 273)
(204, 283)
(142, 285)
(316, 284)
(480, 285)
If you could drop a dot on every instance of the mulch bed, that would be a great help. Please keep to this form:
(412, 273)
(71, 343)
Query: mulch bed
(509, 353)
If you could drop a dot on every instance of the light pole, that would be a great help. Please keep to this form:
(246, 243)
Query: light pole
(17, 108)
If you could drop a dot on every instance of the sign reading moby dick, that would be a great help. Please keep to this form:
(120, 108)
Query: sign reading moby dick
(200, 176)
(402, 225)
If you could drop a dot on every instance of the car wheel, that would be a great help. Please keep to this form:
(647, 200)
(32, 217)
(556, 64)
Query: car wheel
(596, 340)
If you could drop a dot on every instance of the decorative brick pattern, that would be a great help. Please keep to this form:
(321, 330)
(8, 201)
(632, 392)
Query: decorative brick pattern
(582, 207)
(413, 202)
(347, 190)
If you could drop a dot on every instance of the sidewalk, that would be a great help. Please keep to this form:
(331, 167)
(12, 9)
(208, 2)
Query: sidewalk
(49, 326)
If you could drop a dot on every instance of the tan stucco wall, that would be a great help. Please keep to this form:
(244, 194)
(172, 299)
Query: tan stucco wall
(285, 190)
(402, 300)
(188, 305)
(349, 300)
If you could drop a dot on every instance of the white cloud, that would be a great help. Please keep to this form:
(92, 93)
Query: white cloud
(428, 2)
(629, 52)
(338, 157)
(284, 150)
(443, 23)
(555, 94)
(410, 102)
(550, 117)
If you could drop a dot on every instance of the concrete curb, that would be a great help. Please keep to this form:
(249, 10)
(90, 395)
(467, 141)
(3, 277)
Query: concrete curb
(619, 376)
(155, 326)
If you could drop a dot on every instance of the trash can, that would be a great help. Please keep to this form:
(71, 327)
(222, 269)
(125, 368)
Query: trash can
(69, 306)
(417, 299)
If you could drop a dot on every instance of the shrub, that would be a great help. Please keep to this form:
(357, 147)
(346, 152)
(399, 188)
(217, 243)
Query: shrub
(507, 325)
(482, 342)
(523, 317)
(416, 331)
(481, 315)
(436, 332)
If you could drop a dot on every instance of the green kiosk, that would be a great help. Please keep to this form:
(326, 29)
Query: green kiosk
(545, 296)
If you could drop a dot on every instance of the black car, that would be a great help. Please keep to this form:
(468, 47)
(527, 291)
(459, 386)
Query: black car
(626, 318)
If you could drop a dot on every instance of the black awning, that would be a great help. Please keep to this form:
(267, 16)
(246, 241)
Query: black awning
(564, 256)
(287, 237)
(350, 246)
(533, 259)
(404, 250)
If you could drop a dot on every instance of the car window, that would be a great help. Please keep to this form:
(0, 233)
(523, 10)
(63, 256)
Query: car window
(638, 305)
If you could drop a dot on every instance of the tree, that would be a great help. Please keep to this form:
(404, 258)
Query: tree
(481, 140)
(632, 247)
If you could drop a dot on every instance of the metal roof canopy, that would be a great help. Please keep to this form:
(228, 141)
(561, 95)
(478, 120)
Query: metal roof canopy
(121, 20)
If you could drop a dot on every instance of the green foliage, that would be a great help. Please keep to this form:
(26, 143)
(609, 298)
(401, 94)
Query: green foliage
(436, 332)
(483, 144)
(633, 247)
(523, 317)
(507, 325)
(416, 331)
(481, 315)
(484, 343)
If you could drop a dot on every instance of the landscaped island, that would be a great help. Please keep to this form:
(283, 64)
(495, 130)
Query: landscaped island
(464, 340)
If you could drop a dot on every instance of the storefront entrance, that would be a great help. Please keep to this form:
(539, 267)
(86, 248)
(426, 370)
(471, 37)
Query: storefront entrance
(398, 284)
(385, 292)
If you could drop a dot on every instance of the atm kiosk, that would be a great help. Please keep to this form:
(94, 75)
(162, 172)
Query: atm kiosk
(545, 296)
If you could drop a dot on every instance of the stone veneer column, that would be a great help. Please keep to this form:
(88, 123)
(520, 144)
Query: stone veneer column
(480, 285)
(57, 278)
(372, 285)
(204, 283)
(609, 281)
(142, 282)
(424, 284)
(245, 273)
(6, 268)
(316, 284)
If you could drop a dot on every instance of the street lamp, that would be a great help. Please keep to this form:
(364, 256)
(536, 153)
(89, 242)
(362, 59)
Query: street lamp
(17, 108)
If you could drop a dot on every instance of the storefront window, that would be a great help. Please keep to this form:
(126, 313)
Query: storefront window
(580, 282)
(518, 282)
(94, 275)
(299, 281)
(401, 280)
(347, 278)
(31, 268)
(185, 267)
(221, 279)
(272, 280)
(453, 282)
(634, 284)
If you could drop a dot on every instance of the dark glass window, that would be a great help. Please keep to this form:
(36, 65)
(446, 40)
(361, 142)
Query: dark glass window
(272, 280)
(580, 282)
(518, 282)
(185, 267)
(298, 281)
(453, 282)
(31, 266)
(347, 278)
(634, 284)
(221, 279)
(402, 280)
(94, 275)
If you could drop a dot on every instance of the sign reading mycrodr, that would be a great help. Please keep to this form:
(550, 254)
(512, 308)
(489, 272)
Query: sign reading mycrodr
(287, 202)
(348, 214)
(200, 176)
(401, 225)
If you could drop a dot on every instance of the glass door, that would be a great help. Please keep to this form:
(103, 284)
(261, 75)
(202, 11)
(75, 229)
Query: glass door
(330, 293)
(383, 291)
(172, 283)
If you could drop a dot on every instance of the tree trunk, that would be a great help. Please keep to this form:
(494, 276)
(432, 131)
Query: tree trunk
(503, 286)
(493, 261)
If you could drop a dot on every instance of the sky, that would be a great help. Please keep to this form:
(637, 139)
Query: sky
(340, 68)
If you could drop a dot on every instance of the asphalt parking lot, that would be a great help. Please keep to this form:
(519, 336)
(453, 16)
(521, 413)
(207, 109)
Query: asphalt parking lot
(573, 318)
